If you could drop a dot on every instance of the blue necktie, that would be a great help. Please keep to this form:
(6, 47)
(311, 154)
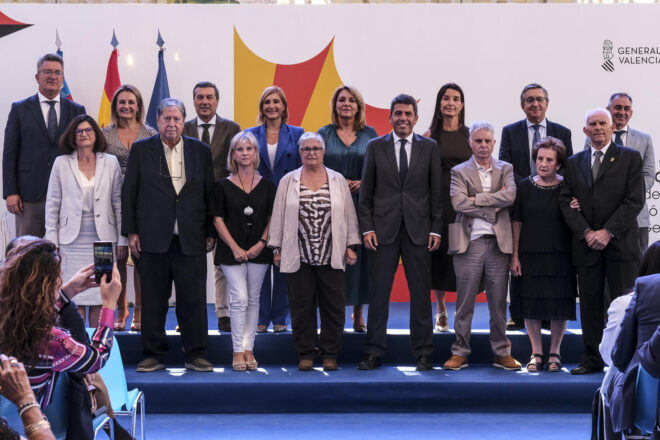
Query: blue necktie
(52, 120)
(617, 137)
(403, 161)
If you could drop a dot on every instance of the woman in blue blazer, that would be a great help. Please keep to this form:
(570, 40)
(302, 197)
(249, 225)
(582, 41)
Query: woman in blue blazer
(83, 204)
(278, 154)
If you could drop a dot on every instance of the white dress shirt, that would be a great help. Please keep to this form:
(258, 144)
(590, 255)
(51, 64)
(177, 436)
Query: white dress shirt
(177, 169)
(624, 135)
(45, 107)
(481, 227)
(200, 129)
(593, 150)
(397, 147)
(543, 130)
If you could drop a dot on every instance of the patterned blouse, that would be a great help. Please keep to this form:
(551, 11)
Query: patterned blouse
(67, 354)
(118, 149)
(314, 227)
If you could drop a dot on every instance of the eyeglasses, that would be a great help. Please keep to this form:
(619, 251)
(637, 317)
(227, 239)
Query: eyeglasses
(164, 170)
(88, 131)
(48, 72)
(308, 150)
(539, 99)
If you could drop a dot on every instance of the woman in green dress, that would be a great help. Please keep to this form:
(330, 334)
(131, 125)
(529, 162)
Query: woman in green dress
(346, 142)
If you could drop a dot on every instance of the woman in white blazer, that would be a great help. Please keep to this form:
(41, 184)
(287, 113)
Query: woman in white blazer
(83, 204)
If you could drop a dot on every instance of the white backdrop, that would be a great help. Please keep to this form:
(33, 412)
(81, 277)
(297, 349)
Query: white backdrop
(492, 51)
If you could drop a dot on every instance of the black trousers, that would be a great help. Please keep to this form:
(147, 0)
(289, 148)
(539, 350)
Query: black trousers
(594, 300)
(157, 271)
(417, 266)
(308, 287)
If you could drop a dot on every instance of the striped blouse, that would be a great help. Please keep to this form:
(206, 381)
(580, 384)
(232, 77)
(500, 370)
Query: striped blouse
(67, 354)
(314, 226)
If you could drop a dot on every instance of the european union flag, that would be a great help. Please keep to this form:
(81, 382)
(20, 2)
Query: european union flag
(161, 87)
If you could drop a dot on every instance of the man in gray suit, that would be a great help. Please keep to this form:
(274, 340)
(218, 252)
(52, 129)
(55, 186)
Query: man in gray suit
(481, 190)
(217, 133)
(400, 211)
(620, 106)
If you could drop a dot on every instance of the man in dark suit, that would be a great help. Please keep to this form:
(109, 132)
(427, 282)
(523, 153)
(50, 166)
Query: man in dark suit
(217, 133)
(516, 148)
(620, 106)
(33, 131)
(400, 211)
(600, 199)
(165, 213)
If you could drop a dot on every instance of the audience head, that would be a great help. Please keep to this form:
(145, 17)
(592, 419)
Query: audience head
(450, 102)
(403, 115)
(170, 120)
(82, 132)
(127, 104)
(620, 106)
(482, 140)
(206, 97)
(30, 279)
(243, 142)
(544, 148)
(347, 102)
(598, 127)
(534, 102)
(272, 105)
(311, 147)
(651, 260)
(50, 75)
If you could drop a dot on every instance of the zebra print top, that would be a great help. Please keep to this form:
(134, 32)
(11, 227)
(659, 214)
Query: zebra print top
(314, 227)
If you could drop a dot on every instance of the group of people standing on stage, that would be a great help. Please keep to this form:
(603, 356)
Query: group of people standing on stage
(322, 219)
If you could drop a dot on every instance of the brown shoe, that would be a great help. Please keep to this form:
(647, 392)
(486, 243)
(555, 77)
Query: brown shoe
(506, 362)
(224, 324)
(306, 365)
(329, 364)
(456, 363)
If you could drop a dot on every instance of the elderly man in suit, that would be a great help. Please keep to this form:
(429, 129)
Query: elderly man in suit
(216, 132)
(620, 106)
(33, 130)
(166, 214)
(602, 195)
(516, 147)
(482, 189)
(400, 212)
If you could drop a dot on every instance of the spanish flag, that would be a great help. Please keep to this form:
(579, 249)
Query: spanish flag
(112, 83)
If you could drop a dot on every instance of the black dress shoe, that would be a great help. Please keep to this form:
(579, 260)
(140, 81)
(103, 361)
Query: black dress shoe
(515, 324)
(582, 369)
(369, 362)
(424, 363)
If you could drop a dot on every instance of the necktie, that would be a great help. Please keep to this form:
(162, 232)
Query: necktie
(403, 161)
(52, 120)
(596, 166)
(206, 135)
(617, 137)
(535, 139)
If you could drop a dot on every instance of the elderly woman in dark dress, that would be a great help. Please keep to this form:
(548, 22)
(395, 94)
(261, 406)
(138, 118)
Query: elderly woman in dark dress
(346, 142)
(542, 254)
(449, 131)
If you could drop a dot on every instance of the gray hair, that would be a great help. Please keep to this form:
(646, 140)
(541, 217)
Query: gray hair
(532, 86)
(481, 125)
(613, 96)
(240, 138)
(49, 57)
(171, 102)
(310, 135)
(592, 112)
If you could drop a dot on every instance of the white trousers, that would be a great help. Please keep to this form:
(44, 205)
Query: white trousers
(243, 286)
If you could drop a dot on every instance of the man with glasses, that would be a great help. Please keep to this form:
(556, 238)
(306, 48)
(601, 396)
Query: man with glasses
(166, 215)
(33, 130)
(516, 148)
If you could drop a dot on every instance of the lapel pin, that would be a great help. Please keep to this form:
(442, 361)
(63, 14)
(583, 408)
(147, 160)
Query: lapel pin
(611, 159)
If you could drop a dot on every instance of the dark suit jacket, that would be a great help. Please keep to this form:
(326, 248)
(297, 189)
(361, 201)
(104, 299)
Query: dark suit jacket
(514, 146)
(385, 201)
(649, 354)
(612, 202)
(150, 205)
(286, 158)
(641, 320)
(29, 153)
(224, 131)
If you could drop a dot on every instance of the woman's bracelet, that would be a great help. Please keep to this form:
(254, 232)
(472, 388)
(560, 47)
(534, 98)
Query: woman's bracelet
(26, 406)
(37, 426)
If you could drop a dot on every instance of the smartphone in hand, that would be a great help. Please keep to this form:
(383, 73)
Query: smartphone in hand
(103, 260)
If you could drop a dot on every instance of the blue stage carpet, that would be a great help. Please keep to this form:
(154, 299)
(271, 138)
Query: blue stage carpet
(389, 426)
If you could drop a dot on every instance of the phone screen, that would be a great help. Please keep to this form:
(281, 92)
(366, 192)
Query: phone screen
(103, 260)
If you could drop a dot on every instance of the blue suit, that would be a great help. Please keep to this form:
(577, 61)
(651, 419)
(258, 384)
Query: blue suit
(287, 159)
